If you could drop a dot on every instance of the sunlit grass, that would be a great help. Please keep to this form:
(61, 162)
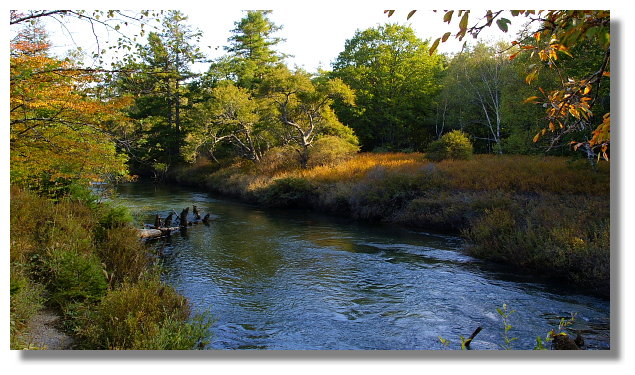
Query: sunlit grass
(517, 173)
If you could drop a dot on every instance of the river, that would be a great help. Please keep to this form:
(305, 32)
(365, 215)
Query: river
(285, 279)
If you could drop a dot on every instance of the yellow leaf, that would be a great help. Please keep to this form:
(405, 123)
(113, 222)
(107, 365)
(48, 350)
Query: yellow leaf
(531, 99)
(434, 45)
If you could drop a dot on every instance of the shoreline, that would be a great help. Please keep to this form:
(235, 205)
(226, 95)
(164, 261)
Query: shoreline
(489, 221)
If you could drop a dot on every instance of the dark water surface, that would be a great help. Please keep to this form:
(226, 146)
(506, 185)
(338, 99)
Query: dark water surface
(276, 279)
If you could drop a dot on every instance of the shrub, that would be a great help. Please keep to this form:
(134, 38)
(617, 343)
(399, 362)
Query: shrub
(26, 299)
(115, 216)
(123, 255)
(143, 315)
(74, 277)
(278, 159)
(551, 235)
(453, 145)
(288, 192)
(382, 192)
(331, 150)
(450, 211)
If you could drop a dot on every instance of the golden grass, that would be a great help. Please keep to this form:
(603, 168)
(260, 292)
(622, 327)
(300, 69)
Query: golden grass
(514, 173)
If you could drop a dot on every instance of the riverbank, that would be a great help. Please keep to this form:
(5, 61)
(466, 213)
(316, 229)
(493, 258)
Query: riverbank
(82, 261)
(545, 215)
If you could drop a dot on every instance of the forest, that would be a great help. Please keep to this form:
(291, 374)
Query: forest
(505, 144)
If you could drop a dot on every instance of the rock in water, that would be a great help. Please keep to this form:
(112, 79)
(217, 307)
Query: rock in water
(562, 341)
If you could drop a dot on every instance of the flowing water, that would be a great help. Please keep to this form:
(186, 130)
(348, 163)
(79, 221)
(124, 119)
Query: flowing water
(275, 279)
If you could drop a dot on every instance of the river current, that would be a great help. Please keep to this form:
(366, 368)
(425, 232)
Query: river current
(287, 279)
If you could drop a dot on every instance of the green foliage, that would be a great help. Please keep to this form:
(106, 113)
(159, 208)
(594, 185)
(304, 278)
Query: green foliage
(26, 300)
(113, 216)
(331, 150)
(251, 48)
(453, 145)
(74, 277)
(84, 256)
(505, 313)
(289, 192)
(123, 259)
(143, 315)
(395, 81)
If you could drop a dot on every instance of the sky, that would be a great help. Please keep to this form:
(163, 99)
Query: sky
(313, 36)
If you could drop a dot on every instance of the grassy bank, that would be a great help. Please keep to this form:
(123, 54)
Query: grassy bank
(542, 214)
(84, 260)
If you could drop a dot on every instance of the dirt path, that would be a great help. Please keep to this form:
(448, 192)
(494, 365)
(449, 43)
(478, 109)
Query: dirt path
(42, 332)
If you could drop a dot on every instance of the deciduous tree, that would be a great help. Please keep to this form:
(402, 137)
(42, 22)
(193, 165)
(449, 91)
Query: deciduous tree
(570, 107)
(396, 82)
(60, 128)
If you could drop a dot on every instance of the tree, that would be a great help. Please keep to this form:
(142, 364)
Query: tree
(232, 116)
(251, 50)
(110, 21)
(475, 78)
(159, 81)
(303, 106)
(60, 128)
(570, 107)
(395, 80)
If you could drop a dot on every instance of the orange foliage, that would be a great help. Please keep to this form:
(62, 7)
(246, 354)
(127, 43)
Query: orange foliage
(59, 127)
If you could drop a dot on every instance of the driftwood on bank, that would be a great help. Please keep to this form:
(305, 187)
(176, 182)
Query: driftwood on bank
(166, 227)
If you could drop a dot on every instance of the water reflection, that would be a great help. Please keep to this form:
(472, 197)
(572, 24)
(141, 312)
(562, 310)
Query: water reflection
(294, 280)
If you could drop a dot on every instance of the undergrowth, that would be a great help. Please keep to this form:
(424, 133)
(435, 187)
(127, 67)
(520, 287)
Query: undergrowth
(84, 260)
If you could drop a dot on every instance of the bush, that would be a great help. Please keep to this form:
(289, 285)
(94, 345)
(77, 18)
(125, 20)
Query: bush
(551, 235)
(75, 277)
(330, 150)
(26, 299)
(143, 315)
(115, 216)
(125, 258)
(278, 159)
(453, 145)
(288, 192)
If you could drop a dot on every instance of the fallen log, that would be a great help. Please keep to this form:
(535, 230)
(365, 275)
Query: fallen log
(157, 232)
(150, 233)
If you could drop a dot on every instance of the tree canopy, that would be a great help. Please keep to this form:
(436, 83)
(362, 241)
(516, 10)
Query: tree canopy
(388, 90)
(60, 127)
(569, 108)
(395, 80)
